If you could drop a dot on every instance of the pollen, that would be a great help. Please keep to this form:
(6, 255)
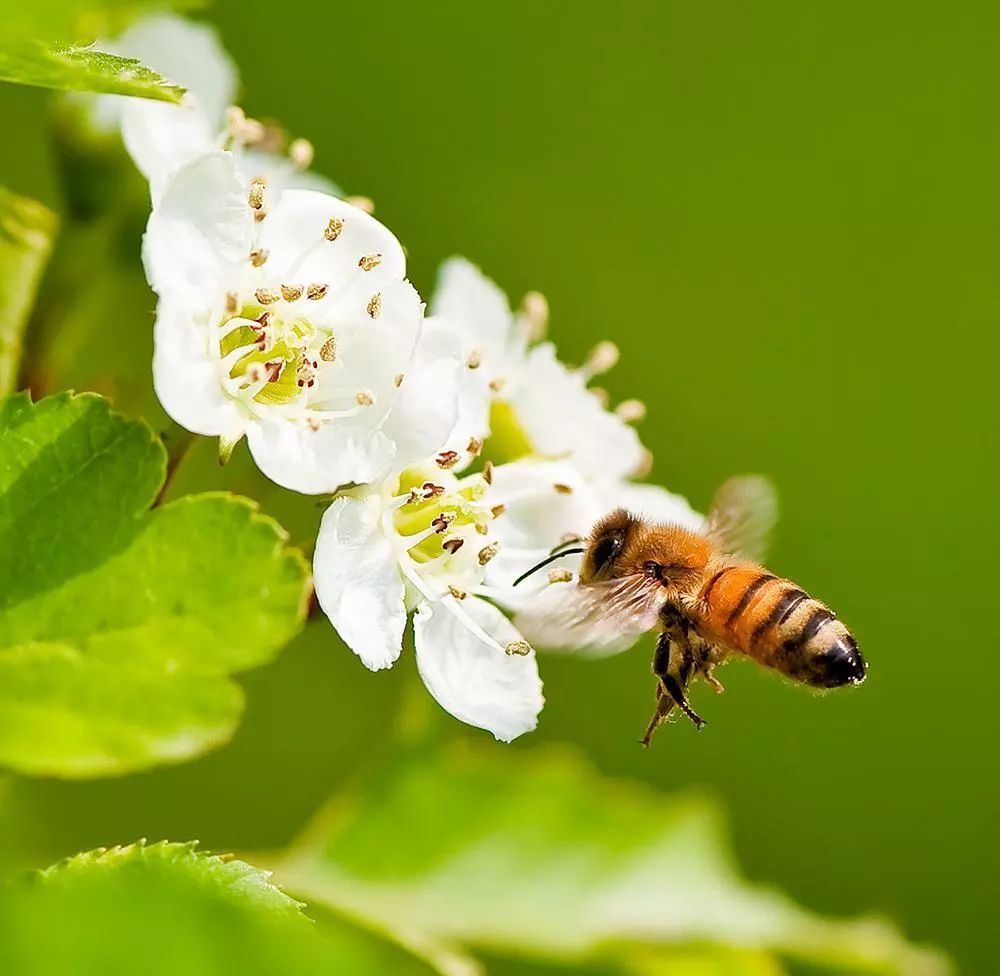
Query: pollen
(301, 153)
(488, 552)
(258, 256)
(256, 195)
(365, 398)
(563, 489)
(333, 229)
(452, 545)
(374, 307)
(560, 576)
(370, 261)
(474, 359)
(446, 459)
(266, 297)
(518, 647)
(291, 293)
(631, 411)
(456, 592)
(328, 351)
(316, 291)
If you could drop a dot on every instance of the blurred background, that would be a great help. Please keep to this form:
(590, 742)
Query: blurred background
(786, 215)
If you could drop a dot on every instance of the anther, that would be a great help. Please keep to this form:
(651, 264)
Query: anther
(498, 510)
(567, 537)
(333, 229)
(482, 528)
(560, 576)
(232, 302)
(301, 153)
(631, 411)
(441, 523)
(488, 472)
(474, 359)
(328, 351)
(316, 291)
(431, 490)
(452, 545)
(535, 309)
(644, 465)
(518, 647)
(602, 358)
(370, 261)
(291, 293)
(497, 384)
(397, 380)
(563, 489)
(258, 256)
(256, 195)
(488, 552)
(274, 369)
(600, 395)
(305, 373)
(364, 398)
(362, 203)
(374, 307)
(266, 297)
(446, 459)
(456, 592)
(259, 215)
(474, 446)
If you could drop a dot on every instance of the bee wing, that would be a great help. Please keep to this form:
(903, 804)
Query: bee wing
(601, 618)
(743, 514)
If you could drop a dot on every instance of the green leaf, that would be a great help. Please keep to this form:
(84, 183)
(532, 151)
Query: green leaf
(70, 67)
(541, 857)
(74, 20)
(165, 909)
(120, 627)
(26, 232)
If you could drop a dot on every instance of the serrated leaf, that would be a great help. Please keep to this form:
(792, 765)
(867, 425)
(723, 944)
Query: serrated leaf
(72, 67)
(544, 858)
(120, 627)
(26, 232)
(164, 909)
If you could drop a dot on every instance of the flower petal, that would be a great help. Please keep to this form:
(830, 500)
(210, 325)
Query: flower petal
(317, 461)
(654, 503)
(358, 583)
(474, 680)
(200, 232)
(186, 376)
(562, 417)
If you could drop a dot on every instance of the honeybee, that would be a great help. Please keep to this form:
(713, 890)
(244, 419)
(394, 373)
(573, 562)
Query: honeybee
(708, 598)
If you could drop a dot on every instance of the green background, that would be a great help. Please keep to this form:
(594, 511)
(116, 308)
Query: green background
(786, 215)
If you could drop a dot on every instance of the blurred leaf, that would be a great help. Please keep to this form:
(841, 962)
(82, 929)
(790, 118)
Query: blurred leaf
(70, 67)
(119, 627)
(168, 909)
(26, 232)
(543, 858)
(81, 20)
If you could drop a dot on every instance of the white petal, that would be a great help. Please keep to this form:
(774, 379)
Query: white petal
(281, 174)
(427, 409)
(200, 231)
(473, 680)
(357, 580)
(561, 417)
(466, 297)
(186, 376)
(653, 503)
(293, 235)
(161, 138)
(317, 461)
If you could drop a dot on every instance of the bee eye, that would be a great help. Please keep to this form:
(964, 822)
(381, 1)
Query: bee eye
(605, 551)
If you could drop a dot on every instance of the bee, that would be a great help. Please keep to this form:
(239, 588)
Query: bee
(708, 598)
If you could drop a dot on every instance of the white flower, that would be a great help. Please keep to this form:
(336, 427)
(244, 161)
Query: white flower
(294, 325)
(422, 541)
(161, 137)
(521, 394)
(549, 504)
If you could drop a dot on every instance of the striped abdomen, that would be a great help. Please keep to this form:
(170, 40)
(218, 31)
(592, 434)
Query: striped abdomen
(780, 625)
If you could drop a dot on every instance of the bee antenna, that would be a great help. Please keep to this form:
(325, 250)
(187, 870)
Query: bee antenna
(546, 561)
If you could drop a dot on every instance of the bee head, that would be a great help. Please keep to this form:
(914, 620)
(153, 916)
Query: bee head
(608, 540)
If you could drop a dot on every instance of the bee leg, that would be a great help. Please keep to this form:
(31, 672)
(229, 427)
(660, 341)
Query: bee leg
(673, 663)
(664, 703)
(707, 673)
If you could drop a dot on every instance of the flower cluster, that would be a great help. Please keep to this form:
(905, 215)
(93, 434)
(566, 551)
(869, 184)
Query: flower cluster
(457, 447)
